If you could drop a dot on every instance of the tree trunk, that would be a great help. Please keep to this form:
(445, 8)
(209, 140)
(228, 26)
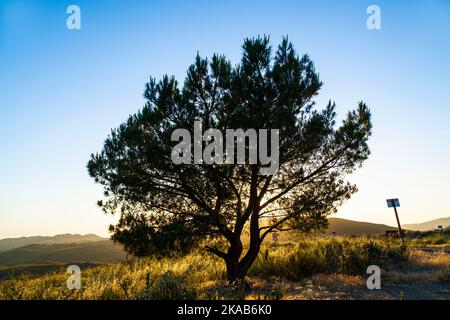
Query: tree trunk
(234, 272)
(237, 270)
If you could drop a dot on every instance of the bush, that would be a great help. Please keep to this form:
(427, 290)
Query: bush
(168, 286)
(438, 239)
(427, 238)
(445, 274)
(309, 257)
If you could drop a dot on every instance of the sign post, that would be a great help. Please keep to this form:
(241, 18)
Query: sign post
(394, 203)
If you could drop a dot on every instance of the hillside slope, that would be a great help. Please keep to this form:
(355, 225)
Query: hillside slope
(12, 243)
(90, 249)
(428, 225)
(98, 252)
(342, 227)
(350, 227)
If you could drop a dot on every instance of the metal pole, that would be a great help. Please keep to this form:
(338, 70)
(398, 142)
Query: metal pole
(398, 223)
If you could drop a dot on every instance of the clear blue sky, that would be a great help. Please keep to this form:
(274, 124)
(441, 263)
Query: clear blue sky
(61, 91)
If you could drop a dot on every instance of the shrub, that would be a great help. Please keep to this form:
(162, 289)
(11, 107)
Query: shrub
(309, 257)
(438, 239)
(168, 286)
(445, 274)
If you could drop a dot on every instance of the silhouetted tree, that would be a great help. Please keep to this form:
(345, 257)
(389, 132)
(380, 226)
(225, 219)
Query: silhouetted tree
(164, 206)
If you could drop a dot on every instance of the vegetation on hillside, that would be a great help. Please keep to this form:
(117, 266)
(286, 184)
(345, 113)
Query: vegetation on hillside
(429, 238)
(13, 243)
(99, 251)
(202, 276)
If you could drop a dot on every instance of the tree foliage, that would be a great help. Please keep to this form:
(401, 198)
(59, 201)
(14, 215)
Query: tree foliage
(167, 206)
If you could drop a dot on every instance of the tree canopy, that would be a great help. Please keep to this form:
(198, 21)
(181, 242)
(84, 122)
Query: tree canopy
(165, 206)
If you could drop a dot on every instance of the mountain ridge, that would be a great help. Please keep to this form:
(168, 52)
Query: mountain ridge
(351, 227)
(104, 251)
(7, 244)
(428, 225)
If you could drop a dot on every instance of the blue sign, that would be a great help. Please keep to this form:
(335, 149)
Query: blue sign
(393, 203)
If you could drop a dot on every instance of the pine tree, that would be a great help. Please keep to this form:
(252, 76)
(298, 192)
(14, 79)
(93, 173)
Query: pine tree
(166, 207)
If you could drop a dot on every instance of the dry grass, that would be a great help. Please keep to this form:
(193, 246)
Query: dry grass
(429, 260)
(423, 267)
(310, 269)
(338, 281)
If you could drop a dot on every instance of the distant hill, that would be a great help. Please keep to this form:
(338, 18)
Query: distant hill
(13, 243)
(429, 225)
(94, 249)
(350, 227)
(94, 252)
(342, 227)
